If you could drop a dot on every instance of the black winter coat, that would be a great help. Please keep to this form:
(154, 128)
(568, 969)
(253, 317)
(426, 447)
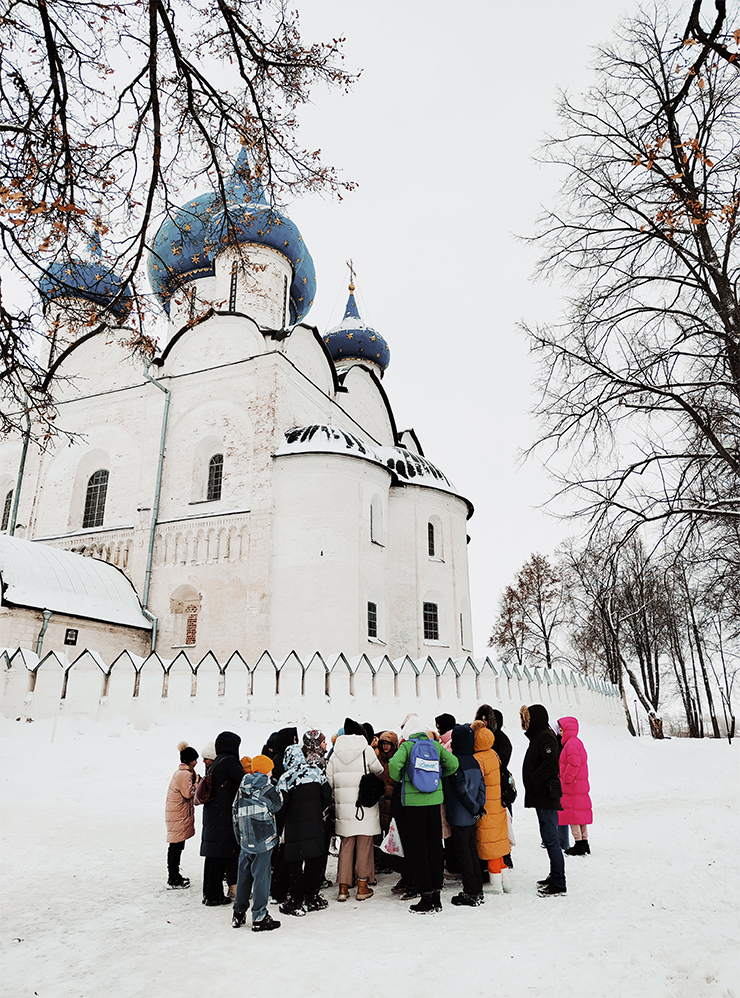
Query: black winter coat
(502, 746)
(303, 816)
(541, 763)
(218, 839)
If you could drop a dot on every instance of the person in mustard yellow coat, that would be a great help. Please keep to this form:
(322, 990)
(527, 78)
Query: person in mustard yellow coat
(492, 837)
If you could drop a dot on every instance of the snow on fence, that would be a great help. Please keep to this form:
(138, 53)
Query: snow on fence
(144, 690)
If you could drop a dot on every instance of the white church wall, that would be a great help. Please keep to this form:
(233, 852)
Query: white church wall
(305, 353)
(97, 364)
(212, 343)
(365, 405)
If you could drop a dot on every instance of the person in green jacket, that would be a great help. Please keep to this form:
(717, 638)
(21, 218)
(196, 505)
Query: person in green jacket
(422, 821)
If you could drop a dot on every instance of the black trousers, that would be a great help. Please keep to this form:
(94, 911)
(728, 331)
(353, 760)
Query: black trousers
(463, 840)
(422, 844)
(305, 876)
(174, 852)
(215, 869)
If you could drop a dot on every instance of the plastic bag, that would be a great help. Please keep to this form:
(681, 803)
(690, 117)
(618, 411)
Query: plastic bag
(392, 841)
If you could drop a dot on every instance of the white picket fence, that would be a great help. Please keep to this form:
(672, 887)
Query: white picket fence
(294, 688)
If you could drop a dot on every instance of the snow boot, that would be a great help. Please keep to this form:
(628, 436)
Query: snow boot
(343, 894)
(506, 882)
(291, 907)
(579, 848)
(218, 901)
(467, 900)
(178, 883)
(550, 890)
(586, 847)
(495, 886)
(363, 891)
(424, 905)
(316, 903)
(437, 900)
(265, 924)
(239, 919)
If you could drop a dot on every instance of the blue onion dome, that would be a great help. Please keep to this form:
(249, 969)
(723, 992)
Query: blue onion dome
(90, 280)
(186, 244)
(353, 340)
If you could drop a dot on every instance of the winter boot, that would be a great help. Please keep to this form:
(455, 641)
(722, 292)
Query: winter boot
(265, 924)
(579, 848)
(343, 894)
(217, 901)
(425, 904)
(509, 861)
(545, 882)
(292, 907)
(400, 888)
(363, 891)
(239, 919)
(550, 890)
(437, 900)
(316, 903)
(495, 886)
(506, 881)
(177, 883)
(467, 900)
(586, 847)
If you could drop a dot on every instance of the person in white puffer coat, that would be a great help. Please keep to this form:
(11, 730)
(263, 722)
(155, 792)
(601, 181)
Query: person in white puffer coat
(351, 759)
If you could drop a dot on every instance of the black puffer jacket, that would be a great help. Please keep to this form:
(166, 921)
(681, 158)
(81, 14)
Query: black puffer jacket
(218, 838)
(541, 762)
(502, 746)
(303, 814)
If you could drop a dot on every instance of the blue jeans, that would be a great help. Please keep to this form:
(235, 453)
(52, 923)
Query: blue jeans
(255, 868)
(548, 819)
(564, 837)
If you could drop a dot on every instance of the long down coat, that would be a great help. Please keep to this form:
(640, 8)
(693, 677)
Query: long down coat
(217, 837)
(179, 808)
(343, 771)
(491, 834)
(576, 800)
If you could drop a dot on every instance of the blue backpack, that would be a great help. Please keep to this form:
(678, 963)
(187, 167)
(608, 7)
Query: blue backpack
(422, 767)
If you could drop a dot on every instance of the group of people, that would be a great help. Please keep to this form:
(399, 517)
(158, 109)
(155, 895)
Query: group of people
(429, 799)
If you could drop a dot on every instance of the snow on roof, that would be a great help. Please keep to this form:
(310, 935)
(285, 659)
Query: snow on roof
(45, 578)
(409, 468)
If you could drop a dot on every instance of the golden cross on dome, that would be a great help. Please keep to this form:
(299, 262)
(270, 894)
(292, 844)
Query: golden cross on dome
(351, 266)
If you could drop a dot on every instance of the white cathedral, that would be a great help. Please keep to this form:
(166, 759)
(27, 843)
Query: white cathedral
(249, 490)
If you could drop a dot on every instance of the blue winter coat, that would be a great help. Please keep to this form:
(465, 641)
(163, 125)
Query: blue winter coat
(465, 790)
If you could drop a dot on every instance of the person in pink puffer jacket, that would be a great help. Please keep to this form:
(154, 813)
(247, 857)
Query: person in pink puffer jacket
(576, 802)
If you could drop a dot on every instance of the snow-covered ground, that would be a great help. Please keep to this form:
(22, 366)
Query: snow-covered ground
(85, 913)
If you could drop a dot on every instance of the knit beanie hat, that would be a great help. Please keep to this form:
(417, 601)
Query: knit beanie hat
(246, 763)
(262, 764)
(209, 751)
(352, 727)
(369, 733)
(187, 753)
(445, 723)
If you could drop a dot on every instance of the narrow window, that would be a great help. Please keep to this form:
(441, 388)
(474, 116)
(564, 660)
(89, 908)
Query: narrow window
(431, 622)
(191, 625)
(97, 489)
(232, 289)
(6, 510)
(372, 620)
(215, 476)
(430, 539)
(462, 631)
(376, 520)
(285, 301)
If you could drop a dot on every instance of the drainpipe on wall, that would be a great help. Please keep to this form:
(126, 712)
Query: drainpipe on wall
(42, 632)
(19, 481)
(155, 509)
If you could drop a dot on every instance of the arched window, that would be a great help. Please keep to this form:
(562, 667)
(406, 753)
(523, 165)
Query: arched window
(434, 538)
(215, 476)
(6, 510)
(372, 620)
(97, 489)
(185, 604)
(233, 286)
(430, 539)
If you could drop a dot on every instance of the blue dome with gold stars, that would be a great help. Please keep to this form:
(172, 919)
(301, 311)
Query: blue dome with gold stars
(187, 244)
(90, 280)
(353, 340)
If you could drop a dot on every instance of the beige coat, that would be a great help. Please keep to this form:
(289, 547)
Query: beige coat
(179, 810)
(343, 771)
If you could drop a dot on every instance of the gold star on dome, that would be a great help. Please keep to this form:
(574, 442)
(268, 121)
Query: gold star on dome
(68, 270)
(305, 279)
(98, 277)
(187, 227)
(175, 250)
(300, 299)
(196, 258)
(285, 243)
(349, 336)
(373, 338)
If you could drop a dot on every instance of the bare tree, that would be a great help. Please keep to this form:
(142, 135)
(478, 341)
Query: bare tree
(530, 613)
(640, 383)
(110, 112)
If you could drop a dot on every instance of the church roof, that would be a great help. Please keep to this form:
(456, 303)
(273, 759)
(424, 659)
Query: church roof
(352, 339)
(44, 578)
(90, 279)
(407, 467)
(187, 243)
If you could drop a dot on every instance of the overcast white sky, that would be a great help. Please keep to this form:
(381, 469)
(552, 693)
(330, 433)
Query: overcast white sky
(439, 133)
